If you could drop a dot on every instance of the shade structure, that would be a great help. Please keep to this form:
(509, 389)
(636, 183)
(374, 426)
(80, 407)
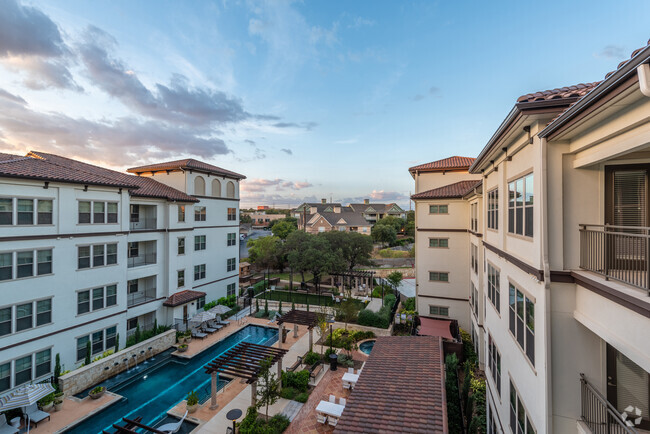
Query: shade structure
(219, 309)
(301, 317)
(244, 360)
(435, 327)
(202, 317)
(25, 396)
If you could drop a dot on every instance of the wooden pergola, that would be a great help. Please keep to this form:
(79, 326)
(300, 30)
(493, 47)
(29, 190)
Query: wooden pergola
(132, 425)
(299, 317)
(356, 276)
(243, 361)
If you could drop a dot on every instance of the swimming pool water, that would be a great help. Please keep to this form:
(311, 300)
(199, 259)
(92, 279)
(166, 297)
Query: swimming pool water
(366, 347)
(155, 391)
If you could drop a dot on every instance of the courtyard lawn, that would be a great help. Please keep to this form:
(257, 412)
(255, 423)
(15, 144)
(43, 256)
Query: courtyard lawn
(296, 277)
(286, 296)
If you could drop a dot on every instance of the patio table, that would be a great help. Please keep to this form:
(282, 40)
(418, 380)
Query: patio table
(330, 408)
(351, 378)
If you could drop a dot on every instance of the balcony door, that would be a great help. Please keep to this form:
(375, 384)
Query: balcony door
(628, 388)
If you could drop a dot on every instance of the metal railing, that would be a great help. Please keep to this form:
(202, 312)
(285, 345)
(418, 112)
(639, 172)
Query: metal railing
(143, 327)
(598, 414)
(141, 297)
(617, 252)
(137, 261)
(143, 224)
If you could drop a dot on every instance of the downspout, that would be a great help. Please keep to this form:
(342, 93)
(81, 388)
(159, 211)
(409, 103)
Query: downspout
(547, 285)
(644, 78)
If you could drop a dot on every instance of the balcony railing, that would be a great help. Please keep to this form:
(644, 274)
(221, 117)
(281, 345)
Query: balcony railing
(138, 261)
(617, 252)
(141, 297)
(143, 327)
(143, 224)
(598, 414)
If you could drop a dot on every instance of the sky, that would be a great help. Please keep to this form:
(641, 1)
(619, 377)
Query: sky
(308, 100)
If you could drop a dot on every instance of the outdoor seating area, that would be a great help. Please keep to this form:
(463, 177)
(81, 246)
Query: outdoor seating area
(350, 378)
(330, 411)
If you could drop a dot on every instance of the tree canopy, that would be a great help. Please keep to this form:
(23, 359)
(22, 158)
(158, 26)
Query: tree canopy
(393, 221)
(356, 248)
(384, 233)
(266, 252)
(282, 228)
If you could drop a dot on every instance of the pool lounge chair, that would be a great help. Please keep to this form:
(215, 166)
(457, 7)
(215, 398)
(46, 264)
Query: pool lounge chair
(198, 334)
(208, 329)
(171, 428)
(222, 321)
(5, 428)
(35, 415)
(215, 325)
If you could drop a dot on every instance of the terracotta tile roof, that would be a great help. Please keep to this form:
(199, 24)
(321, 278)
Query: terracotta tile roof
(33, 167)
(575, 91)
(401, 389)
(186, 164)
(450, 163)
(183, 297)
(457, 189)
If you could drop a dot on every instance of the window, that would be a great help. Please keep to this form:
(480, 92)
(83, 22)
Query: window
(24, 316)
(111, 254)
(474, 300)
(44, 212)
(231, 289)
(180, 278)
(98, 212)
(111, 333)
(216, 188)
(438, 209)
(199, 242)
(473, 221)
(43, 312)
(25, 211)
(44, 258)
(522, 321)
(132, 323)
(181, 246)
(102, 254)
(232, 214)
(494, 362)
(200, 302)
(5, 321)
(98, 255)
(133, 286)
(439, 242)
(23, 369)
(83, 302)
(199, 272)
(134, 250)
(436, 276)
(43, 363)
(519, 421)
(111, 212)
(494, 288)
(520, 206)
(232, 239)
(83, 257)
(25, 263)
(6, 211)
(134, 214)
(199, 213)
(6, 266)
(82, 344)
(98, 342)
(230, 190)
(474, 258)
(199, 186)
(439, 310)
(5, 376)
(84, 212)
(231, 264)
(493, 209)
(181, 213)
(98, 298)
(111, 295)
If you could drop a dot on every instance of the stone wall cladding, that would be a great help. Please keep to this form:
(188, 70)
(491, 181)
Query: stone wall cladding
(87, 376)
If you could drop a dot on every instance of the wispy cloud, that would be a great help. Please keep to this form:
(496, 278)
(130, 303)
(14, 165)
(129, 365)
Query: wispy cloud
(260, 184)
(612, 52)
(433, 92)
(287, 151)
(359, 22)
(302, 125)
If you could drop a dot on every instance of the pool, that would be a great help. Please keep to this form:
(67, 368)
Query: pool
(366, 347)
(159, 386)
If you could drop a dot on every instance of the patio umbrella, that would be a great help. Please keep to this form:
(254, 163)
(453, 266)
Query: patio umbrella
(202, 317)
(219, 309)
(25, 396)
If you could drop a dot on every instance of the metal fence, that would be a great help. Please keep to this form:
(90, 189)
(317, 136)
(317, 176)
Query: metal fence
(137, 261)
(598, 414)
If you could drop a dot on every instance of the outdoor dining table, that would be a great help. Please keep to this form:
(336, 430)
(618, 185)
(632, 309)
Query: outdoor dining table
(330, 408)
(351, 378)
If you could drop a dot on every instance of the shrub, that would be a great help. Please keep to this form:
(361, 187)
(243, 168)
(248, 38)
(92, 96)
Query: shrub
(302, 397)
(260, 314)
(468, 348)
(97, 389)
(409, 304)
(380, 319)
(454, 416)
(328, 352)
(288, 393)
(345, 360)
(299, 381)
(192, 398)
(278, 423)
(311, 358)
(389, 300)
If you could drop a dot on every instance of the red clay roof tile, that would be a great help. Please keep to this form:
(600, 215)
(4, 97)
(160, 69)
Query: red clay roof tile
(578, 90)
(450, 163)
(186, 164)
(183, 297)
(455, 190)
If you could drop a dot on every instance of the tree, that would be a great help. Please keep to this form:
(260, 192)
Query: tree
(283, 228)
(297, 241)
(347, 310)
(393, 221)
(322, 328)
(385, 234)
(57, 370)
(245, 218)
(117, 342)
(87, 360)
(319, 258)
(266, 252)
(394, 279)
(268, 391)
(355, 248)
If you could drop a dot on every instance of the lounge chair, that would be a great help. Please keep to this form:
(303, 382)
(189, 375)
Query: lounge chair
(35, 415)
(5, 428)
(333, 399)
(296, 365)
(222, 321)
(171, 428)
(197, 334)
(321, 418)
(333, 421)
(209, 330)
(215, 325)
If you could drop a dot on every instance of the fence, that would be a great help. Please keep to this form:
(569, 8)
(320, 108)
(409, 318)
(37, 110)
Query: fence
(598, 414)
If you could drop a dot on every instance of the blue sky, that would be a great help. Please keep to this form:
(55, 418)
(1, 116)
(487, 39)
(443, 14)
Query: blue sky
(307, 99)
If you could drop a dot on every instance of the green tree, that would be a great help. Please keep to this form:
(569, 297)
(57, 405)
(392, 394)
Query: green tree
(245, 218)
(355, 248)
(87, 360)
(283, 228)
(385, 234)
(322, 328)
(319, 258)
(268, 390)
(266, 252)
(394, 279)
(297, 241)
(393, 221)
(57, 370)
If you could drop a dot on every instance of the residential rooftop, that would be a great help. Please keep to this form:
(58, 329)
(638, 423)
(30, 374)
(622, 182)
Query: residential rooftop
(451, 191)
(186, 164)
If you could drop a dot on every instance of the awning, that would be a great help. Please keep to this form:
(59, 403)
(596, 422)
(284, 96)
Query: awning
(435, 327)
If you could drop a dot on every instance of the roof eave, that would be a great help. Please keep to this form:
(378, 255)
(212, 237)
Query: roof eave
(64, 181)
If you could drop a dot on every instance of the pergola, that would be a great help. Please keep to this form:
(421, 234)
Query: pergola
(299, 317)
(358, 276)
(244, 361)
(132, 425)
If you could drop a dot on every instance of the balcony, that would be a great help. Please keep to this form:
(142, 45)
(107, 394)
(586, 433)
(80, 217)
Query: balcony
(141, 291)
(598, 414)
(143, 217)
(141, 253)
(617, 252)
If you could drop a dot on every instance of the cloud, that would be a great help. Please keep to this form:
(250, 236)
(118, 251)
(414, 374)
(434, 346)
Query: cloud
(612, 52)
(387, 195)
(257, 185)
(303, 125)
(43, 74)
(11, 97)
(296, 185)
(287, 151)
(433, 92)
(359, 22)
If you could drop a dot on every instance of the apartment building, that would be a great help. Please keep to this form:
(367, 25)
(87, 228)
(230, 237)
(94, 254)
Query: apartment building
(563, 236)
(88, 253)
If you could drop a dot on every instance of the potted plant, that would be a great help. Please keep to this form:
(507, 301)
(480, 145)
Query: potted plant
(192, 402)
(182, 348)
(47, 402)
(58, 401)
(188, 336)
(97, 392)
(180, 337)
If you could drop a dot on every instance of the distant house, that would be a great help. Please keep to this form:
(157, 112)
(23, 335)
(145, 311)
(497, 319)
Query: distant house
(324, 216)
(376, 211)
(261, 219)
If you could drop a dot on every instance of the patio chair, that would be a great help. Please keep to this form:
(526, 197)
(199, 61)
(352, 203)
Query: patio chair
(171, 428)
(346, 385)
(198, 334)
(5, 428)
(333, 399)
(35, 415)
(343, 401)
(350, 370)
(333, 421)
(321, 418)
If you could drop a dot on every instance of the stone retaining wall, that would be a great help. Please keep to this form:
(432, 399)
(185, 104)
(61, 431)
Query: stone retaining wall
(87, 376)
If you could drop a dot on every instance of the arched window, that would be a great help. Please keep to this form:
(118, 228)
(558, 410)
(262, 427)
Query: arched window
(230, 189)
(199, 186)
(216, 188)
